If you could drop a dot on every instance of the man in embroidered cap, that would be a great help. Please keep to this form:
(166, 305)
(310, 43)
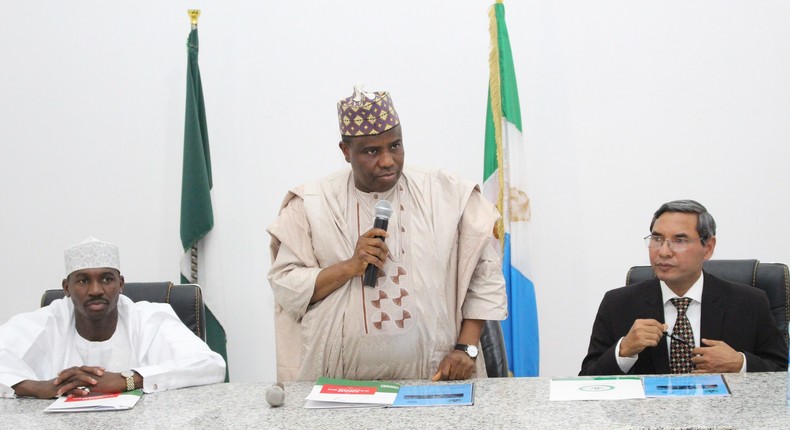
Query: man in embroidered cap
(96, 339)
(439, 278)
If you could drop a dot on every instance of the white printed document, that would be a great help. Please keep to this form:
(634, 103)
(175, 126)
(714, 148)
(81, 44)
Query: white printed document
(597, 388)
(96, 402)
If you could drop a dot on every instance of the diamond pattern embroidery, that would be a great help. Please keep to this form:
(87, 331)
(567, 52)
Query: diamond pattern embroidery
(368, 117)
(680, 353)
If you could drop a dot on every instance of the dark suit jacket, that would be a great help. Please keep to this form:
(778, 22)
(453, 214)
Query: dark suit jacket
(736, 314)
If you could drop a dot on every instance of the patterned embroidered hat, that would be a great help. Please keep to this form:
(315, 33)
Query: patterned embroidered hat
(366, 114)
(91, 254)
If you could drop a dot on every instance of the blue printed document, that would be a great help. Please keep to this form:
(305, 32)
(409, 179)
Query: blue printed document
(434, 395)
(685, 386)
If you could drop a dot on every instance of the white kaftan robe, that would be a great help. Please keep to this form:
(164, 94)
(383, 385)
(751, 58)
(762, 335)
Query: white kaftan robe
(149, 339)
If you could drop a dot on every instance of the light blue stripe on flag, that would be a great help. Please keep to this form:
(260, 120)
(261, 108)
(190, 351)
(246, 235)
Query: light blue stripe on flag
(521, 326)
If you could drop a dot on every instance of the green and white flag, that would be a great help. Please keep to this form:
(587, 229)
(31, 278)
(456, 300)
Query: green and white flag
(504, 183)
(197, 214)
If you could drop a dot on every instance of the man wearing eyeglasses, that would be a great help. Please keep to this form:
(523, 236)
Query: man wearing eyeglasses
(686, 320)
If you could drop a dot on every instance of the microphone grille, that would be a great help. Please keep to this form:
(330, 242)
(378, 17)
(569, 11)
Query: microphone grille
(383, 209)
(275, 395)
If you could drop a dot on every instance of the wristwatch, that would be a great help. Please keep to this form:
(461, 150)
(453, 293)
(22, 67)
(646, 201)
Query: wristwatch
(470, 350)
(129, 375)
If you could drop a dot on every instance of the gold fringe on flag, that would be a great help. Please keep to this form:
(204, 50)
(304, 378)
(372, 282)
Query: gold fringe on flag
(495, 93)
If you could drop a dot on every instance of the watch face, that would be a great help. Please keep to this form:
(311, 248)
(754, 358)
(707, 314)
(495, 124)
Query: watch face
(472, 351)
(127, 373)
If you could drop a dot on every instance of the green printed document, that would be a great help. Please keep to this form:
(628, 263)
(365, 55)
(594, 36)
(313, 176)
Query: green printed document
(95, 402)
(686, 386)
(345, 393)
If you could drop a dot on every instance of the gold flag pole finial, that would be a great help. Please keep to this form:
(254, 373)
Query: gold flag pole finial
(193, 16)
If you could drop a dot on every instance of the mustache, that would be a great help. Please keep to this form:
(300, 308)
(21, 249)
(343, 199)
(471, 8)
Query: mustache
(385, 172)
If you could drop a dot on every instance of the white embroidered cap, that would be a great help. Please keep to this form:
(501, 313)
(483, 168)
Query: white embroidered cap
(92, 253)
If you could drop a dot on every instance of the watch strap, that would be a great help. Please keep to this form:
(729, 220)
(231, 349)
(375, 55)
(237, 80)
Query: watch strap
(129, 380)
(130, 383)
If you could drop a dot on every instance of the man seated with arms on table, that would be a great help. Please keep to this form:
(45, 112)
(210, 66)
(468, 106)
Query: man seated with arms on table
(439, 276)
(96, 339)
(726, 327)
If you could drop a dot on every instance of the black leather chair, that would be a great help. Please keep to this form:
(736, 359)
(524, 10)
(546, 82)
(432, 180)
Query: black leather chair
(185, 299)
(492, 343)
(772, 278)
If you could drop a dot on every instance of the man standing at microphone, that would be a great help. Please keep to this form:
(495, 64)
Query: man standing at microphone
(438, 278)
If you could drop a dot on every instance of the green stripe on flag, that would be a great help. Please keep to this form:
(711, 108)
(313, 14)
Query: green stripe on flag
(197, 215)
(507, 72)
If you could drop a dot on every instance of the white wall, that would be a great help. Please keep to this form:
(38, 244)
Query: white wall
(625, 105)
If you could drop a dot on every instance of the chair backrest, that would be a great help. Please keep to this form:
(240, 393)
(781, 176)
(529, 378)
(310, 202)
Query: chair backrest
(493, 344)
(185, 299)
(773, 278)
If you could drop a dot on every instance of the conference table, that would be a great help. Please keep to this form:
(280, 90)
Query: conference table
(757, 401)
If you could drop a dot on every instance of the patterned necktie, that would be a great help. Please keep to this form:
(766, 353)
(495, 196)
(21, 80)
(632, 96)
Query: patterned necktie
(680, 353)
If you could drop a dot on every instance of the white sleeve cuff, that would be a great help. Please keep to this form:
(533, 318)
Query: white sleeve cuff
(625, 363)
(6, 392)
(7, 381)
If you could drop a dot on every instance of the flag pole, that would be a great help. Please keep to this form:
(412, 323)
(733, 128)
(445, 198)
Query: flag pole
(194, 14)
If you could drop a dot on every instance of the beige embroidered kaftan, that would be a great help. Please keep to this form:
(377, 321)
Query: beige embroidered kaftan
(440, 270)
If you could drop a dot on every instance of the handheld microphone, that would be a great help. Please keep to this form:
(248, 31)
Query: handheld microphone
(383, 214)
(275, 395)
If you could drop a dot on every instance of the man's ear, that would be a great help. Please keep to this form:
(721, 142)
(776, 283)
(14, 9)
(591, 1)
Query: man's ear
(345, 149)
(123, 282)
(65, 286)
(710, 244)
